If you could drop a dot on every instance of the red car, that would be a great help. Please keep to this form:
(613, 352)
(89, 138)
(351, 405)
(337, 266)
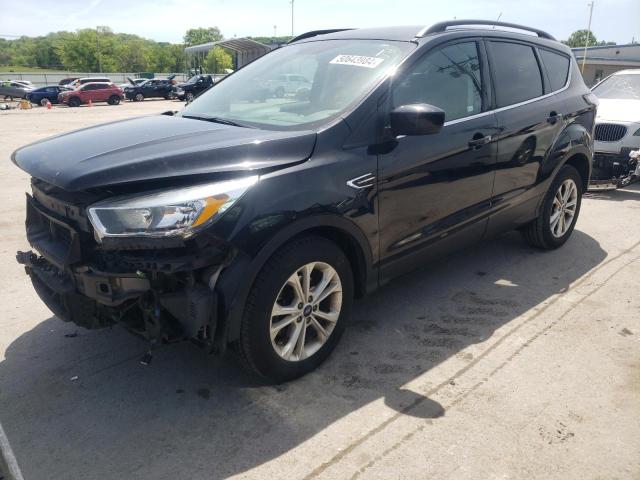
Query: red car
(94, 92)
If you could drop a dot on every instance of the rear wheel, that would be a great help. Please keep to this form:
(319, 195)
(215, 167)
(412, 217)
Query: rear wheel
(113, 100)
(74, 102)
(559, 213)
(297, 309)
(138, 97)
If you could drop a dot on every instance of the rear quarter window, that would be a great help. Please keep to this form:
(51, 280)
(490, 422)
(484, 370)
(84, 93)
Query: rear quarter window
(557, 67)
(516, 73)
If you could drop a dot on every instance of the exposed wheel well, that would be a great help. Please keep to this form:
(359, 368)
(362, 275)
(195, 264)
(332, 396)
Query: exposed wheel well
(581, 163)
(351, 248)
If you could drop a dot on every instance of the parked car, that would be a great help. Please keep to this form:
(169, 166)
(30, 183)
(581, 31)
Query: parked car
(81, 81)
(193, 87)
(154, 88)
(287, 84)
(26, 83)
(253, 226)
(94, 92)
(43, 95)
(617, 131)
(67, 80)
(136, 81)
(10, 90)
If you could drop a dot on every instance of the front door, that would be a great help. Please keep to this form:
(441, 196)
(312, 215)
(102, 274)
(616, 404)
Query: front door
(435, 190)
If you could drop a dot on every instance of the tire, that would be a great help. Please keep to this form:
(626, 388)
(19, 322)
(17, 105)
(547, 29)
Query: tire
(541, 233)
(279, 92)
(189, 96)
(74, 102)
(139, 97)
(113, 100)
(257, 351)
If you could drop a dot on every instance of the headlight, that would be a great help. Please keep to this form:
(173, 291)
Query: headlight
(179, 212)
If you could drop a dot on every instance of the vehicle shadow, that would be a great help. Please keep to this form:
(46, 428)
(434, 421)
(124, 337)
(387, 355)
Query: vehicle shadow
(83, 406)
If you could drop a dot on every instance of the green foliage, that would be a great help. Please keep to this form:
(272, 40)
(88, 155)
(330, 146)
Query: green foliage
(93, 50)
(579, 38)
(196, 36)
(217, 60)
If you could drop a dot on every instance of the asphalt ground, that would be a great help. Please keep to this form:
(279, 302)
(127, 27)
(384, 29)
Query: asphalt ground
(498, 362)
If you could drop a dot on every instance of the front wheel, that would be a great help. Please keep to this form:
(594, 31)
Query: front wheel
(74, 102)
(297, 309)
(559, 213)
(113, 100)
(138, 97)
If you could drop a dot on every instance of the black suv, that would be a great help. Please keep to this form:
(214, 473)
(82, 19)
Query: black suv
(153, 88)
(254, 224)
(193, 87)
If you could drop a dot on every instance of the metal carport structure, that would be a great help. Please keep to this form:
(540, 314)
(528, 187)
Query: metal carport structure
(244, 50)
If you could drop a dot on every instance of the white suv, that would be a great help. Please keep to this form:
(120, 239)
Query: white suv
(617, 130)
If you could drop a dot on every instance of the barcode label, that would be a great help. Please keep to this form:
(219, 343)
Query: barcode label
(357, 61)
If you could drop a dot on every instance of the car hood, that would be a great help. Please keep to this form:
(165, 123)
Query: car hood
(158, 147)
(613, 110)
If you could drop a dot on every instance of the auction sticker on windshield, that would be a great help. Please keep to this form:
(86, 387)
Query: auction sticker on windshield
(357, 61)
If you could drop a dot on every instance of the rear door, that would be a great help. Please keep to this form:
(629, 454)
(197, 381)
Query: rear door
(530, 117)
(435, 189)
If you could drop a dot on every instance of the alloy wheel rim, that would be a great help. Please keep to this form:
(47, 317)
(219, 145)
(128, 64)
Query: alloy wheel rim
(306, 311)
(563, 210)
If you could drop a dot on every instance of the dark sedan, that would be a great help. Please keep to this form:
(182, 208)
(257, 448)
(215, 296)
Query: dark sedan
(44, 94)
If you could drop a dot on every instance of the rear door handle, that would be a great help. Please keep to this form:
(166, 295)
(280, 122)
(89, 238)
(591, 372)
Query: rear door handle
(478, 141)
(554, 117)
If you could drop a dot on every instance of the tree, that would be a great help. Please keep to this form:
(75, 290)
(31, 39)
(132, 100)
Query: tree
(579, 39)
(196, 36)
(217, 60)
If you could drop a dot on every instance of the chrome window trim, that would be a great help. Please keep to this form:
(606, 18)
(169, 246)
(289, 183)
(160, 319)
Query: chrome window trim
(515, 105)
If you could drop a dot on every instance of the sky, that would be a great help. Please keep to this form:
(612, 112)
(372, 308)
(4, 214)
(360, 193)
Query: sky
(167, 20)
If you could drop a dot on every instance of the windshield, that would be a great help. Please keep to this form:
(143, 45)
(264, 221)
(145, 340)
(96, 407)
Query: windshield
(304, 84)
(193, 79)
(623, 87)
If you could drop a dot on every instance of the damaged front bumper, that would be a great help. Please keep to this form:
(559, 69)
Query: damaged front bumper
(613, 170)
(162, 294)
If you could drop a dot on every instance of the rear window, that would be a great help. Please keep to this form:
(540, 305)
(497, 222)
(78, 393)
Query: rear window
(557, 66)
(516, 73)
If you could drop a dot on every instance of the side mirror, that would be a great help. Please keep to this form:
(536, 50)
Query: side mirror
(416, 119)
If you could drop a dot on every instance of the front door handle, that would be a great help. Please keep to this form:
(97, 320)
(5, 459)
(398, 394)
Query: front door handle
(554, 117)
(479, 140)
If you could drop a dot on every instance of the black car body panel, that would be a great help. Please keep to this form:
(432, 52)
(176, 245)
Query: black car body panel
(159, 147)
(389, 201)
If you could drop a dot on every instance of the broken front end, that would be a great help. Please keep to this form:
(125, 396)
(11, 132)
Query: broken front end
(159, 288)
(614, 170)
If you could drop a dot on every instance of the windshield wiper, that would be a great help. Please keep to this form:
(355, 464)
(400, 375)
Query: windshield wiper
(223, 121)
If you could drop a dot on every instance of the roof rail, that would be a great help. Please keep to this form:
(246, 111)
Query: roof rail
(315, 33)
(442, 26)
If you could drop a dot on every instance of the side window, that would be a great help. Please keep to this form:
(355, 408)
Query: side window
(448, 78)
(516, 73)
(557, 68)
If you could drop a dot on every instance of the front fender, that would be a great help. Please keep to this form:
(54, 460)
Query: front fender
(236, 280)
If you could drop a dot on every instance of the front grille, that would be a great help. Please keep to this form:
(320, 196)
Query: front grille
(610, 132)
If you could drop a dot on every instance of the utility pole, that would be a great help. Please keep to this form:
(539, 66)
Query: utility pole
(586, 43)
(98, 46)
(292, 34)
